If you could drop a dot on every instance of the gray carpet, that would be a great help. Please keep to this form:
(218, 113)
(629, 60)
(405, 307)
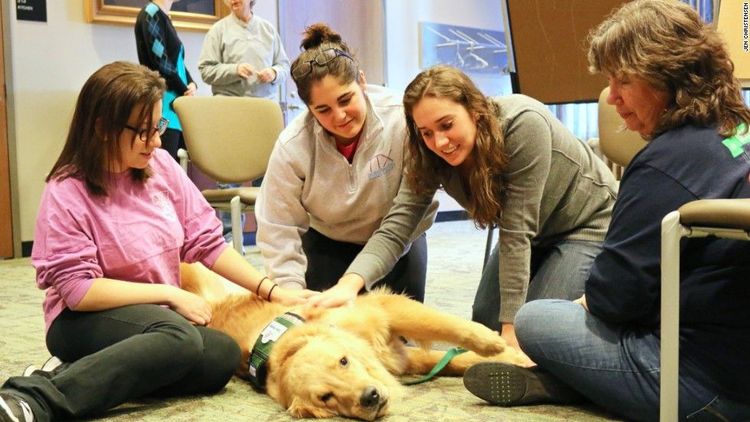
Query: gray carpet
(455, 260)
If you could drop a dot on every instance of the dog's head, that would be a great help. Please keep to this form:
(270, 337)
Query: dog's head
(316, 370)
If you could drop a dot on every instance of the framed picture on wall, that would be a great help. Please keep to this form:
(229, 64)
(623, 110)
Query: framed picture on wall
(469, 49)
(197, 15)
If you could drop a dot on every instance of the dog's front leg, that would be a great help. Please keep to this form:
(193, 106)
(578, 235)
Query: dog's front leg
(413, 320)
(422, 361)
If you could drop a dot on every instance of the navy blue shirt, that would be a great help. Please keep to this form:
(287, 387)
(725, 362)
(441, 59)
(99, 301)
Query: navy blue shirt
(677, 167)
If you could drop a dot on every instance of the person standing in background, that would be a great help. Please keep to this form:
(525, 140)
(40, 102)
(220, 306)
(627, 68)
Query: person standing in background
(160, 49)
(242, 55)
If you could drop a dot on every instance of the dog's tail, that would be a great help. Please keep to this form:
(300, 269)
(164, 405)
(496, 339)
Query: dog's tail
(198, 279)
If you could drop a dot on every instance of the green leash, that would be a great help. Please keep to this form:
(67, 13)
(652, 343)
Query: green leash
(449, 355)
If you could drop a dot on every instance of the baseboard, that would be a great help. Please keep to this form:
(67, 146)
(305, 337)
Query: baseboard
(26, 248)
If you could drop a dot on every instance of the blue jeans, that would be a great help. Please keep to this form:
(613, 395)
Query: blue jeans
(614, 366)
(557, 272)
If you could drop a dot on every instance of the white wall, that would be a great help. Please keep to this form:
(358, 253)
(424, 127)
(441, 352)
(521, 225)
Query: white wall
(402, 33)
(49, 63)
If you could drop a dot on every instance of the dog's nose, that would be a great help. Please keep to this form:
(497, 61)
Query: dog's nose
(370, 397)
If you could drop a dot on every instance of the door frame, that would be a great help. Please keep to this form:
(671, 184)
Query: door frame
(288, 98)
(10, 231)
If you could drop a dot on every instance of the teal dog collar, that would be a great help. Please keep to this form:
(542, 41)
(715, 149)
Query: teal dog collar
(257, 367)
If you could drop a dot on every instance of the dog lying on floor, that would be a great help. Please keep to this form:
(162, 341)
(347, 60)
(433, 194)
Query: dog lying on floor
(344, 361)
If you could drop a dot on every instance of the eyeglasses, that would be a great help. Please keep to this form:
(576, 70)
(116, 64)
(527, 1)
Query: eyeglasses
(146, 134)
(321, 59)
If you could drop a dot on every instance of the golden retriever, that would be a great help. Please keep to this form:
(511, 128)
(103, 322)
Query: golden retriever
(344, 361)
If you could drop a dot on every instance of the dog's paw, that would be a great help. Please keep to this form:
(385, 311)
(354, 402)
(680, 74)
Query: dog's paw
(511, 355)
(488, 343)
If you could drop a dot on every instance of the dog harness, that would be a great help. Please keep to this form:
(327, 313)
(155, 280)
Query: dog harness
(257, 362)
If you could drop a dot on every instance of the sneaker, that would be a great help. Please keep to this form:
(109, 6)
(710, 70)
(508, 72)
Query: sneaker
(47, 370)
(14, 409)
(504, 384)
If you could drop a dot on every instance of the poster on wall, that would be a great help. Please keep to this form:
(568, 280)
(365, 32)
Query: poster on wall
(469, 49)
(204, 7)
(31, 10)
(195, 15)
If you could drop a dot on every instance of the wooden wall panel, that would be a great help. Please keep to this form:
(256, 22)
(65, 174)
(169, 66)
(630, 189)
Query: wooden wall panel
(6, 219)
(549, 48)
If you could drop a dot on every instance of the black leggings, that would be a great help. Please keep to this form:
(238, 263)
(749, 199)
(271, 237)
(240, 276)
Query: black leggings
(328, 259)
(122, 354)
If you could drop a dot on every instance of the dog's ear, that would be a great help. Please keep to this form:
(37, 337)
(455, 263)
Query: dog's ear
(299, 409)
(287, 347)
(280, 354)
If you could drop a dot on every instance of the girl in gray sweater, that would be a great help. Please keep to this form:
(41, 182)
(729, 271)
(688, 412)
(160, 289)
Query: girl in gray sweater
(511, 164)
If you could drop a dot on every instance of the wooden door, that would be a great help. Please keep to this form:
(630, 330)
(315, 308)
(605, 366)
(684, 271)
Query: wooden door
(6, 219)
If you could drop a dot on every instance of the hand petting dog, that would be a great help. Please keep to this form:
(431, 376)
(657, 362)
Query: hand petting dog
(343, 293)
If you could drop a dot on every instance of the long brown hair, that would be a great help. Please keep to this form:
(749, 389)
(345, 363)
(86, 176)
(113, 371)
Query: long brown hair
(422, 165)
(666, 43)
(103, 108)
(318, 38)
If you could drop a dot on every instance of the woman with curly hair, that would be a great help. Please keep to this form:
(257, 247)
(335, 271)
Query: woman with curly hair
(509, 163)
(670, 79)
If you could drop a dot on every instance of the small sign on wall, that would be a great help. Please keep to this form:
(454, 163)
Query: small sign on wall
(31, 10)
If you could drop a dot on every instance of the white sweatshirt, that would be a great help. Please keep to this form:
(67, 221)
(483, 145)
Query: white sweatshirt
(229, 42)
(309, 183)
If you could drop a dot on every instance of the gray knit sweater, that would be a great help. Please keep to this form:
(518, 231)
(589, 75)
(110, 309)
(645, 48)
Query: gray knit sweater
(555, 189)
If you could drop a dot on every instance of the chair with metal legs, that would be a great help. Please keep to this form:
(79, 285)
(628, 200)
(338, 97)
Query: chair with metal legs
(724, 218)
(230, 140)
(488, 245)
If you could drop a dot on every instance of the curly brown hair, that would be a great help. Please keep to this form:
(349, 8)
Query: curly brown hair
(484, 178)
(666, 43)
(101, 113)
(318, 38)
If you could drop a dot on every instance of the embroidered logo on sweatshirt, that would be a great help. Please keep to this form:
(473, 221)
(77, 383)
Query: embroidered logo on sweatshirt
(380, 165)
(160, 200)
(739, 143)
